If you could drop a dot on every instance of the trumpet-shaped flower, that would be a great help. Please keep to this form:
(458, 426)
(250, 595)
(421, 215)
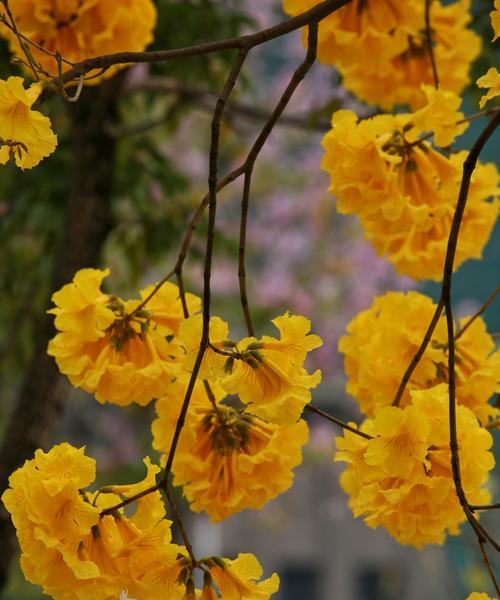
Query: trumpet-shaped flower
(121, 352)
(190, 332)
(81, 29)
(237, 579)
(401, 478)
(267, 374)
(404, 191)
(382, 340)
(270, 379)
(26, 135)
(226, 460)
(440, 115)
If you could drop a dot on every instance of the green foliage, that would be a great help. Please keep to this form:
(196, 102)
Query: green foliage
(186, 22)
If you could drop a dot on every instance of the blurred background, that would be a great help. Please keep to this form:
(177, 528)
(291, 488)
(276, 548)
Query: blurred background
(130, 168)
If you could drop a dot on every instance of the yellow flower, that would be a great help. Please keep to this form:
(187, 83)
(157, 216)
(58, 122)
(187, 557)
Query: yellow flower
(267, 374)
(83, 29)
(399, 82)
(382, 340)
(271, 379)
(82, 307)
(478, 596)
(440, 115)
(495, 20)
(25, 135)
(165, 306)
(226, 460)
(379, 30)
(190, 331)
(237, 579)
(405, 192)
(401, 479)
(72, 551)
(51, 517)
(121, 359)
(392, 33)
(491, 81)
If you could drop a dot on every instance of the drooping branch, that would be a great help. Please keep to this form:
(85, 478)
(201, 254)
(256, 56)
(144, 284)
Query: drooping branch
(468, 168)
(297, 77)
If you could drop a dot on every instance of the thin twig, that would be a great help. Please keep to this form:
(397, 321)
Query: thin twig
(245, 200)
(430, 44)
(297, 77)
(212, 187)
(484, 506)
(180, 525)
(489, 568)
(483, 308)
(489, 112)
(468, 168)
(318, 411)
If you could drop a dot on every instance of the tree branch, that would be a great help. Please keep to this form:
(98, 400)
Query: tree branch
(247, 42)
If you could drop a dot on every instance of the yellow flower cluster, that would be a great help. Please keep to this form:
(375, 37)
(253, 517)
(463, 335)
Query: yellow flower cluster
(267, 374)
(404, 191)
(74, 551)
(381, 341)
(478, 596)
(81, 29)
(25, 134)
(392, 34)
(401, 478)
(67, 548)
(226, 460)
(108, 347)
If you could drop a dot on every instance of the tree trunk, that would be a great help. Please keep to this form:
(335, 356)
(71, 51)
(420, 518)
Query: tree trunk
(40, 401)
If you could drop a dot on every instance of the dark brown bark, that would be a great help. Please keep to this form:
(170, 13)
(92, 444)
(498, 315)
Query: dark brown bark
(88, 221)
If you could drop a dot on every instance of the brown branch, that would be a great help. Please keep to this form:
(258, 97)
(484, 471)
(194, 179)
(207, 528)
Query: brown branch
(297, 77)
(428, 38)
(484, 506)
(245, 42)
(468, 168)
(212, 208)
(213, 188)
(481, 311)
(489, 568)
(318, 411)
